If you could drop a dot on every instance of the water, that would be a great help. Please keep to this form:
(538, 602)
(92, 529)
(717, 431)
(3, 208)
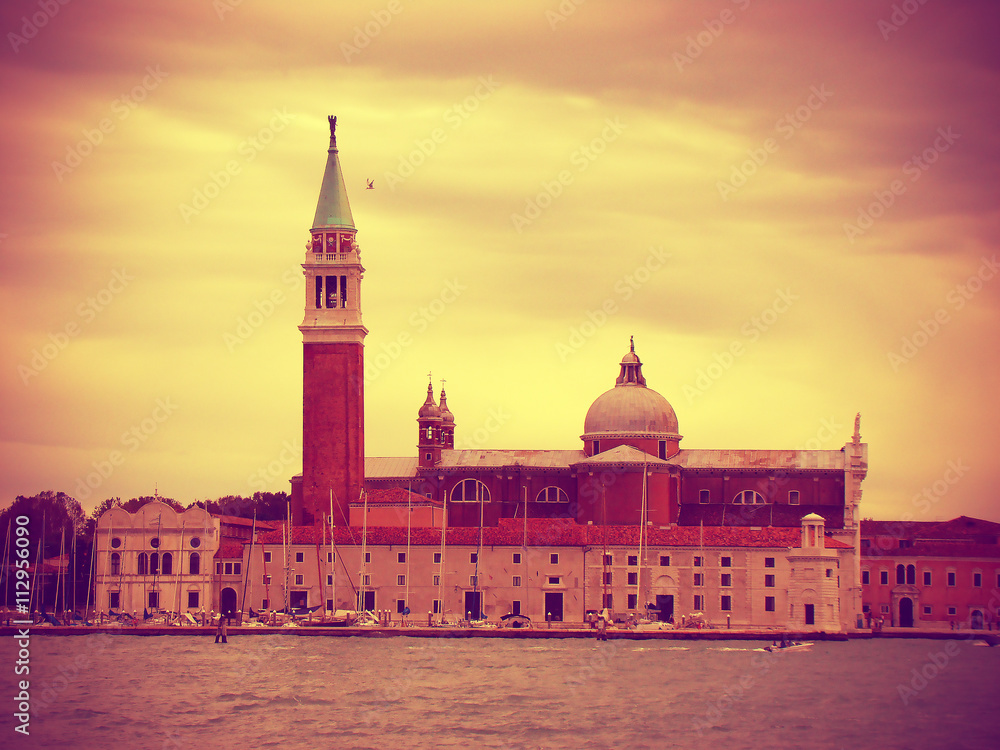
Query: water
(283, 691)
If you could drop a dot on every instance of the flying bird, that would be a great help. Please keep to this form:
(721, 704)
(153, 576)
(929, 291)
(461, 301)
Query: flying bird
(371, 184)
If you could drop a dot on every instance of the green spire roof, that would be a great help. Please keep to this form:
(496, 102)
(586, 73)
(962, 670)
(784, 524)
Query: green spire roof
(333, 209)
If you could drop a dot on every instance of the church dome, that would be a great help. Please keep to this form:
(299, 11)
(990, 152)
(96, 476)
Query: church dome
(429, 410)
(630, 407)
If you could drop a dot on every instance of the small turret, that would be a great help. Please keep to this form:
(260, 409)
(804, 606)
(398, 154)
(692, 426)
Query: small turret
(429, 426)
(447, 423)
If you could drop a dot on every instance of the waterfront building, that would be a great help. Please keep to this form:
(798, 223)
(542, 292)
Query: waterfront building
(931, 574)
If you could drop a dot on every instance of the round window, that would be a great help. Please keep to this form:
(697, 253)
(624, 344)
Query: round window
(195, 542)
(116, 542)
(154, 542)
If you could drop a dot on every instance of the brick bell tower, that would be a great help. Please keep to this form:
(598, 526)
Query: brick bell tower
(333, 440)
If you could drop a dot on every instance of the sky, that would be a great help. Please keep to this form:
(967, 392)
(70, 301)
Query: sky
(792, 206)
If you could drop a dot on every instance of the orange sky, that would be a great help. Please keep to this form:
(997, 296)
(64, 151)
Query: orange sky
(773, 198)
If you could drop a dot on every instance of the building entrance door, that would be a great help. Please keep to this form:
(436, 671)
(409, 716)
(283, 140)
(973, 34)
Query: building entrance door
(665, 604)
(473, 604)
(227, 601)
(554, 606)
(906, 612)
(810, 614)
(367, 601)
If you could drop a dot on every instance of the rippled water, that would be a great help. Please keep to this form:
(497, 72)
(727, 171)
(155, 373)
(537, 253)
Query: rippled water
(282, 691)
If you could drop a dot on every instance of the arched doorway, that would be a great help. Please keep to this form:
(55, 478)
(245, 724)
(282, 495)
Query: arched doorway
(906, 612)
(976, 620)
(227, 601)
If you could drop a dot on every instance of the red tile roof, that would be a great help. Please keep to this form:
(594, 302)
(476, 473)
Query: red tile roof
(396, 496)
(554, 533)
(230, 549)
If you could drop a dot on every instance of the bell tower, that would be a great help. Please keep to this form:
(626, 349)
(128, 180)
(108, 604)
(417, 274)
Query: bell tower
(333, 443)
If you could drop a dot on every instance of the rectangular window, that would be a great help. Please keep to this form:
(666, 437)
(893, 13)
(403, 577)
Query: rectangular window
(237, 568)
(699, 602)
(554, 558)
(663, 450)
(437, 558)
(607, 577)
(329, 604)
(885, 609)
(608, 601)
(793, 497)
(866, 578)
(437, 580)
(266, 580)
(977, 579)
(699, 579)
(300, 557)
(299, 579)
(726, 579)
(331, 292)
(473, 558)
(154, 600)
(727, 603)
(769, 604)
(329, 557)
(664, 561)
(265, 603)
(704, 496)
(633, 559)
(829, 572)
(951, 577)
(768, 562)
(697, 562)
(437, 606)
(319, 292)
(366, 580)
(267, 557)
(595, 447)
(927, 578)
(516, 581)
(229, 569)
(633, 579)
(400, 606)
(608, 560)
(927, 609)
(726, 562)
(401, 557)
(218, 569)
(631, 601)
(329, 579)
(515, 607)
(883, 577)
(517, 558)
(343, 291)
(368, 557)
(769, 581)
(193, 600)
(554, 580)
(400, 580)
(952, 611)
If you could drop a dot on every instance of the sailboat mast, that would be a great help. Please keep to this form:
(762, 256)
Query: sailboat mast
(409, 517)
(642, 530)
(444, 531)
(333, 561)
(364, 554)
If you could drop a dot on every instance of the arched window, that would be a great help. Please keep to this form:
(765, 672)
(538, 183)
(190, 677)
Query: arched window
(154, 563)
(749, 497)
(116, 563)
(168, 564)
(911, 574)
(552, 495)
(470, 491)
(195, 564)
(900, 573)
(143, 564)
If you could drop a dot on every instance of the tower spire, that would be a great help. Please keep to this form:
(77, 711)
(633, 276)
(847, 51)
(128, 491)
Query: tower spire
(333, 210)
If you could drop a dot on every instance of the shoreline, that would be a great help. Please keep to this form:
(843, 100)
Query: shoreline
(507, 633)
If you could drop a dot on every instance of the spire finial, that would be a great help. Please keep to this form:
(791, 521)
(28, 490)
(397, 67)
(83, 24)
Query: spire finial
(333, 130)
(631, 343)
(430, 378)
(857, 428)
